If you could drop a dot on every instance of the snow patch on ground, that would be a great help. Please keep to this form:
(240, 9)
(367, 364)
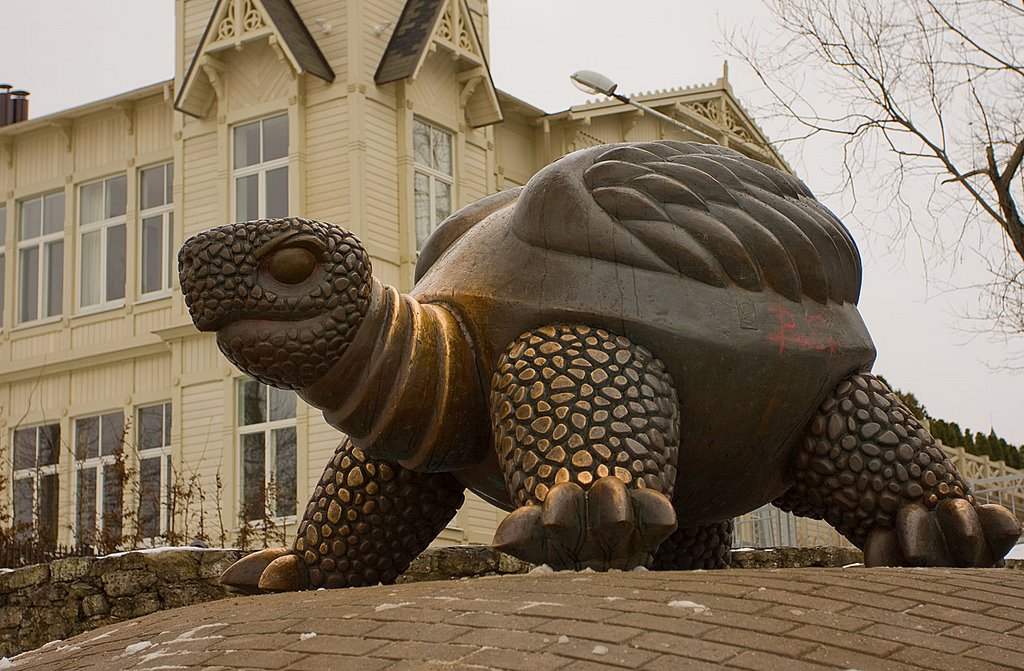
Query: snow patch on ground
(697, 608)
(5, 663)
(136, 648)
(600, 650)
(389, 606)
(1016, 552)
(307, 635)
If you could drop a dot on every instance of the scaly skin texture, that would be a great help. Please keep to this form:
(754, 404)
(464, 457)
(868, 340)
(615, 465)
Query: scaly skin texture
(367, 520)
(576, 404)
(586, 426)
(868, 468)
(285, 333)
(693, 548)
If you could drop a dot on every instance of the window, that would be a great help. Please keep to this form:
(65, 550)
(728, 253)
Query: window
(157, 266)
(154, 443)
(261, 169)
(99, 468)
(432, 195)
(102, 248)
(3, 267)
(266, 428)
(36, 453)
(41, 257)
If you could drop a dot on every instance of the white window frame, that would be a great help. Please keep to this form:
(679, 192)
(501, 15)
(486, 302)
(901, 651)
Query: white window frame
(98, 464)
(166, 213)
(42, 242)
(3, 262)
(163, 453)
(266, 428)
(260, 168)
(36, 473)
(103, 226)
(433, 175)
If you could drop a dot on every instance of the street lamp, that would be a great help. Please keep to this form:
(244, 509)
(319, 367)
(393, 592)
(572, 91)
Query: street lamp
(595, 83)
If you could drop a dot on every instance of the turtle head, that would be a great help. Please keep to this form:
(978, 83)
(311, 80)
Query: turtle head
(285, 296)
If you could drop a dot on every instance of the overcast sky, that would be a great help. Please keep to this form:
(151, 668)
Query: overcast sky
(69, 52)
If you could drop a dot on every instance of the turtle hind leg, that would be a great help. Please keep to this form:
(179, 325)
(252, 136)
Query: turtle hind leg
(365, 523)
(868, 468)
(586, 426)
(692, 548)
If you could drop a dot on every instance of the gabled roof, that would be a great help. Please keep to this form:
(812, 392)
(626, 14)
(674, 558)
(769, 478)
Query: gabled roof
(408, 44)
(447, 24)
(235, 22)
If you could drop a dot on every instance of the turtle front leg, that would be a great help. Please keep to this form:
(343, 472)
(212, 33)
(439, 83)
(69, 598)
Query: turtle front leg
(365, 523)
(586, 426)
(868, 468)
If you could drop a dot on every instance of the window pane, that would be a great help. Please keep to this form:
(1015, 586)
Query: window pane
(275, 137)
(170, 249)
(24, 490)
(3, 225)
(53, 213)
(90, 206)
(87, 438)
(85, 521)
(442, 201)
(49, 444)
(112, 436)
(169, 180)
(166, 505)
(112, 502)
(115, 262)
(167, 424)
(252, 402)
(247, 198)
(282, 403)
(277, 193)
(47, 510)
(151, 427)
(284, 471)
(441, 144)
(90, 271)
(421, 200)
(253, 499)
(28, 283)
(247, 145)
(149, 497)
(153, 187)
(117, 196)
(25, 448)
(152, 253)
(421, 144)
(54, 278)
(31, 218)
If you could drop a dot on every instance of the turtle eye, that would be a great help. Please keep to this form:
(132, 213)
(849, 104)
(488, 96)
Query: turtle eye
(291, 265)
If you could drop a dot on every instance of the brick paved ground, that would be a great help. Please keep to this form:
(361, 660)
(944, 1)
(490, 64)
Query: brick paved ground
(785, 619)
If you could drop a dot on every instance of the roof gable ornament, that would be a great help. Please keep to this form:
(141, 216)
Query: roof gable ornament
(235, 23)
(428, 25)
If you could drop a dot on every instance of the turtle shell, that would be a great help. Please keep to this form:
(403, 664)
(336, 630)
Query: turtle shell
(728, 270)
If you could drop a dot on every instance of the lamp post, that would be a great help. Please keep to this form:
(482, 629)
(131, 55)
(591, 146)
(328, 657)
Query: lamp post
(595, 83)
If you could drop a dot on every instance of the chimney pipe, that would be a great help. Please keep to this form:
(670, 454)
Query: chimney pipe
(20, 100)
(5, 104)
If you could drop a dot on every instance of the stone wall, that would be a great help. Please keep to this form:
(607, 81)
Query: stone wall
(47, 602)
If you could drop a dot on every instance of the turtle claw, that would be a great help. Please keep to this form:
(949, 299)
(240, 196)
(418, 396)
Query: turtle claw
(271, 570)
(955, 533)
(605, 527)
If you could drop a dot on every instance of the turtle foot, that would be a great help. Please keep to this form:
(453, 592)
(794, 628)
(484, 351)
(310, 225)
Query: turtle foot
(605, 527)
(270, 570)
(954, 533)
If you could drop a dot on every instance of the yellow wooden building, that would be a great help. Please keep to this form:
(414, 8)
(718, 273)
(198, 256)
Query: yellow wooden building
(116, 415)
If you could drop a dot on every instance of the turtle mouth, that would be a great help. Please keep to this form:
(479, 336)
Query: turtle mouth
(286, 353)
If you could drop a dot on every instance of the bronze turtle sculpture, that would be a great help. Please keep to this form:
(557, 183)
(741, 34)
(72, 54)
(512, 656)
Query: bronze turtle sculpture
(643, 342)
